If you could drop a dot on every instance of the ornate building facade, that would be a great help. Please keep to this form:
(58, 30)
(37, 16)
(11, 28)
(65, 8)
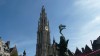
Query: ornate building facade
(5, 49)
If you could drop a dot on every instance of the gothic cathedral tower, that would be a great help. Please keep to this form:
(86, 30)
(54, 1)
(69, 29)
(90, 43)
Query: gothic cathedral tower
(43, 35)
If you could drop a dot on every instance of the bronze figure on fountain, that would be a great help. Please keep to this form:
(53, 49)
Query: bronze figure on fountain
(63, 43)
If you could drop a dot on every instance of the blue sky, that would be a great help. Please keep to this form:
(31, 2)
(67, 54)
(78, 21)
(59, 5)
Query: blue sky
(18, 22)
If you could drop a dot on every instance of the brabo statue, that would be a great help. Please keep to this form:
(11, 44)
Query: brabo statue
(63, 43)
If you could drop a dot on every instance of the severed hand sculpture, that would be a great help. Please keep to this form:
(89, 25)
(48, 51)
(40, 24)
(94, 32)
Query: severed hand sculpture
(61, 27)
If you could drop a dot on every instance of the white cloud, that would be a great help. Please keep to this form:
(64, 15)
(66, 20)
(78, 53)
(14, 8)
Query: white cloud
(90, 31)
(90, 4)
(91, 7)
(92, 25)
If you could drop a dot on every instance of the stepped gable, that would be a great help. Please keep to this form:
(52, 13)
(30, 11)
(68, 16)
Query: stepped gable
(77, 52)
(87, 49)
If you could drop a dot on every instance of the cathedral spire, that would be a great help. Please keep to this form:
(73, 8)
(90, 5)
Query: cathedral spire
(43, 9)
(43, 35)
(43, 13)
(43, 20)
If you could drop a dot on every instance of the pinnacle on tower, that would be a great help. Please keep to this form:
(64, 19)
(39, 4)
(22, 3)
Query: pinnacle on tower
(43, 10)
(24, 53)
(43, 7)
(43, 14)
(53, 40)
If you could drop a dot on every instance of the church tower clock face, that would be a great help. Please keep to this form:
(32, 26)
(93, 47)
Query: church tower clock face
(46, 28)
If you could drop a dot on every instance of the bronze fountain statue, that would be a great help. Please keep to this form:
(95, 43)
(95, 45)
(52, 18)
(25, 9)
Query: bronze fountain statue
(63, 43)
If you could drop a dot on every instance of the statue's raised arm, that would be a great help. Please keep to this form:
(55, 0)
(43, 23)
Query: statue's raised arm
(61, 27)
